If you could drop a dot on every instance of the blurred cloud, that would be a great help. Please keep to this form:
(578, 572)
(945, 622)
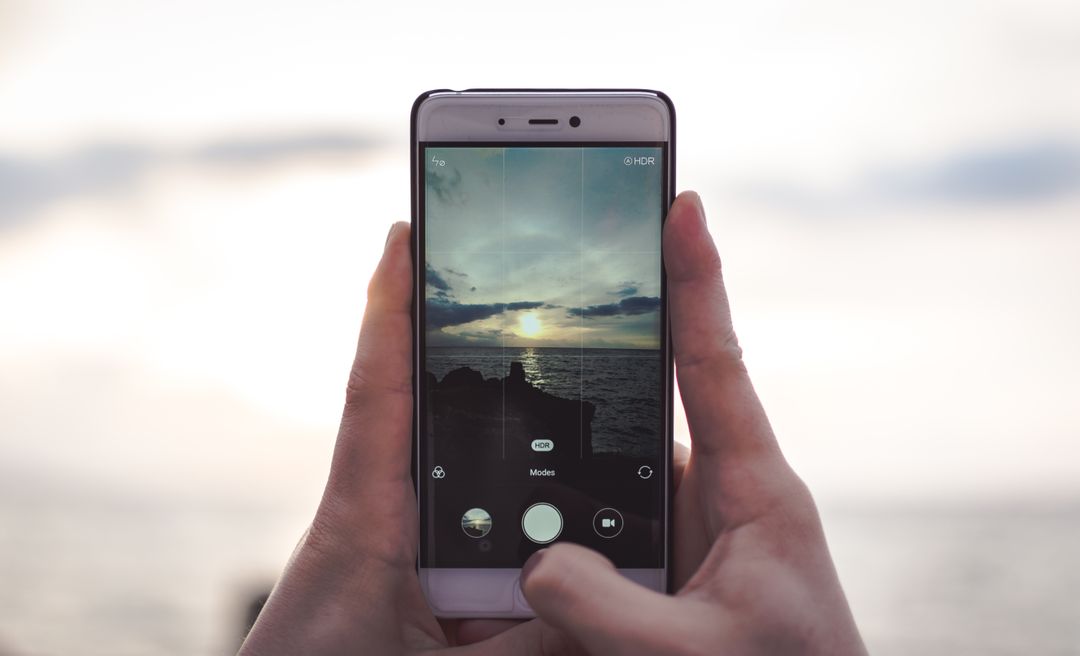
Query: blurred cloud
(261, 150)
(29, 185)
(1012, 174)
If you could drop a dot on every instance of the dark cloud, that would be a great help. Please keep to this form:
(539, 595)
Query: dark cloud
(447, 186)
(442, 312)
(629, 288)
(30, 185)
(1024, 172)
(435, 280)
(481, 334)
(523, 305)
(626, 307)
(456, 273)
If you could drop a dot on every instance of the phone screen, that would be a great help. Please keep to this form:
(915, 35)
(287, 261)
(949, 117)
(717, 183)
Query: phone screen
(542, 395)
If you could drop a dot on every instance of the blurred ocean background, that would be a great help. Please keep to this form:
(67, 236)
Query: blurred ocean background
(193, 196)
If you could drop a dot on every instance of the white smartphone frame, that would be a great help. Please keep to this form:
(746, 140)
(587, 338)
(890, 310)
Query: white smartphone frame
(463, 116)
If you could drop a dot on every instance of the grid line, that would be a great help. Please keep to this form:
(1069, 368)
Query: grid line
(502, 335)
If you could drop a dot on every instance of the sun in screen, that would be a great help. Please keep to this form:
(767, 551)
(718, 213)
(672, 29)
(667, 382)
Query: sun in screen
(530, 324)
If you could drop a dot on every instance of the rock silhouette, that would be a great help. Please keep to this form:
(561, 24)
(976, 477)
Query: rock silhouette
(484, 418)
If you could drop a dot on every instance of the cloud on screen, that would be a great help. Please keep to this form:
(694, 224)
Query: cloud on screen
(631, 306)
(443, 312)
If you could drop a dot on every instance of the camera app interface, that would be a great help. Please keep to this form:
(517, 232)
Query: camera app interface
(542, 352)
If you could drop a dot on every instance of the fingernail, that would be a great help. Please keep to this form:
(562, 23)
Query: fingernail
(698, 206)
(531, 564)
(390, 234)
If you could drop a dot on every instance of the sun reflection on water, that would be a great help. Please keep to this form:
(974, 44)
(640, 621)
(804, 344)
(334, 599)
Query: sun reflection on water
(530, 362)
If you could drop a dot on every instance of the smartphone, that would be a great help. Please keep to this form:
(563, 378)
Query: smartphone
(542, 365)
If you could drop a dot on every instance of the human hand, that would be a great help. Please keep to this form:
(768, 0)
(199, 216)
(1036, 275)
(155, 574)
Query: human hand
(351, 585)
(751, 567)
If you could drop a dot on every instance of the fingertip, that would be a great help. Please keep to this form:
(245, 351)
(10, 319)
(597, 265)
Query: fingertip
(692, 200)
(570, 588)
(397, 242)
(689, 250)
(547, 569)
(531, 565)
(393, 275)
(687, 207)
(399, 230)
(680, 459)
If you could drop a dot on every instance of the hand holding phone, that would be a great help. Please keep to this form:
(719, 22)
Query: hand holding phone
(351, 585)
(752, 570)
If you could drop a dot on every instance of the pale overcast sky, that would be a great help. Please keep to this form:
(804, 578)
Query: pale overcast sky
(192, 196)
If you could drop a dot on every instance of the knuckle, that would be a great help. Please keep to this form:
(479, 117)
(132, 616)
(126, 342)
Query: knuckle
(801, 509)
(723, 358)
(362, 386)
(552, 580)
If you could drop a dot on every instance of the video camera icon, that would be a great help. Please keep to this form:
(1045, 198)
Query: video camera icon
(607, 522)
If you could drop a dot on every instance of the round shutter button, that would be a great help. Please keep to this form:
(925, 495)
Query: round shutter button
(542, 523)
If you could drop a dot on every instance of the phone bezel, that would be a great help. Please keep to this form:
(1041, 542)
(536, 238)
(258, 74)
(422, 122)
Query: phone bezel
(615, 117)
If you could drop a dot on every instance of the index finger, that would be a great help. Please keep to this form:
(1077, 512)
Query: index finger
(722, 408)
(373, 445)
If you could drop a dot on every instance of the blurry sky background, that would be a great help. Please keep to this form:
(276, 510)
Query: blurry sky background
(193, 195)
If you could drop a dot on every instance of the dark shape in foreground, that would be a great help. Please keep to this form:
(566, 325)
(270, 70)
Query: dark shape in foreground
(490, 414)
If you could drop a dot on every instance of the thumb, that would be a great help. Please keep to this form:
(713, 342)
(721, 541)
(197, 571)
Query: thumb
(579, 591)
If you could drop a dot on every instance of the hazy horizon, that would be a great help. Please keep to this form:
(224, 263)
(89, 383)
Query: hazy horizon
(560, 348)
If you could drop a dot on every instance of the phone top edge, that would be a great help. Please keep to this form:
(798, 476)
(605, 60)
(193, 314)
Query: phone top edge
(585, 115)
(592, 92)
